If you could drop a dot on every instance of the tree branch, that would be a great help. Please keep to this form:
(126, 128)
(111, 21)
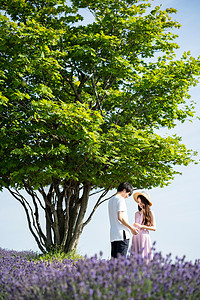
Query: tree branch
(23, 201)
(96, 94)
(34, 195)
(99, 202)
(73, 87)
(96, 192)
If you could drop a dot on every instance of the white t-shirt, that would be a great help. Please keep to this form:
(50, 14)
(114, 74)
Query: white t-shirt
(117, 203)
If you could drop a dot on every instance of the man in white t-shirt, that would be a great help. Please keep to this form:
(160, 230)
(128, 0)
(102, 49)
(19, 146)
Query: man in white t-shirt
(119, 227)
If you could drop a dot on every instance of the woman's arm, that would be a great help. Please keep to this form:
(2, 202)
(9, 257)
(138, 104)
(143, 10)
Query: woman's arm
(152, 227)
(135, 224)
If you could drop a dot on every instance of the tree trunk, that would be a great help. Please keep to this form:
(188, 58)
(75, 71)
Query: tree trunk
(64, 209)
(78, 228)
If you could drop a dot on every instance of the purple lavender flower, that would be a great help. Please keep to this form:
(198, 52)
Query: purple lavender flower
(22, 277)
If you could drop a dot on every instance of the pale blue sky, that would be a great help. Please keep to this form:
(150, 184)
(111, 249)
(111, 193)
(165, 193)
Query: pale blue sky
(177, 207)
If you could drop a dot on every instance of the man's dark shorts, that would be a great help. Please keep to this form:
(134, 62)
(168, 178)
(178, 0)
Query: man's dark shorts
(119, 247)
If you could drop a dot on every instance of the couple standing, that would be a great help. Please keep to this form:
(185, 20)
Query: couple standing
(120, 228)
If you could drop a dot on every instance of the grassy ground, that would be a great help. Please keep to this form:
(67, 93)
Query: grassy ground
(59, 255)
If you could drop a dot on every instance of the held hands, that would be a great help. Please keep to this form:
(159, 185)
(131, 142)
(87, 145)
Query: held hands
(134, 231)
(137, 225)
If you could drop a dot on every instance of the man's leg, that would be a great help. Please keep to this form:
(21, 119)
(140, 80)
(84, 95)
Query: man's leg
(114, 249)
(122, 247)
(119, 247)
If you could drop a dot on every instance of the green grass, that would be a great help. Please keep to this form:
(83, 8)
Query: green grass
(59, 255)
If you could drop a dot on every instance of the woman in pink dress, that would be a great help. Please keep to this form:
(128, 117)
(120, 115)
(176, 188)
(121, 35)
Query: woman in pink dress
(145, 221)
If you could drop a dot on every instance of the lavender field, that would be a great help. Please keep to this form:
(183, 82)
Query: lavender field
(23, 277)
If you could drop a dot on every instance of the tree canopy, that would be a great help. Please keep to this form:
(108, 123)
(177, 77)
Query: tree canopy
(81, 104)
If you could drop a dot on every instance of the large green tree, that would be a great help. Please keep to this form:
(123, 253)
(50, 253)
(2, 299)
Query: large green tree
(81, 105)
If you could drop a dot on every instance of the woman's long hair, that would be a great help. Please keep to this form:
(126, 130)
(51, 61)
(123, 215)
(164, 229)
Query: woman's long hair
(147, 216)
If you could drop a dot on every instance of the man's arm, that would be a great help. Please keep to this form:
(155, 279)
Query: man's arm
(124, 222)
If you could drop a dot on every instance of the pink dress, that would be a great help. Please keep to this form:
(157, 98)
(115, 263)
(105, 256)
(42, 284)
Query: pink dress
(141, 243)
